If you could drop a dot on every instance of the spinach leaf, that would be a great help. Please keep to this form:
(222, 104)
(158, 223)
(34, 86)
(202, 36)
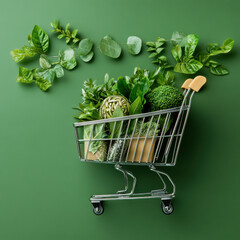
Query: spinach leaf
(109, 47)
(191, 44)
(67, 59)
(134, 45)
(40, 39)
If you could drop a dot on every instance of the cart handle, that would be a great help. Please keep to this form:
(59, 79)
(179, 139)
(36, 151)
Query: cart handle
(187, 83)
(197, 83)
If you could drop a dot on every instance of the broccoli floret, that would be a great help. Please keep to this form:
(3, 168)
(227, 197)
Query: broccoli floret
(164, 97)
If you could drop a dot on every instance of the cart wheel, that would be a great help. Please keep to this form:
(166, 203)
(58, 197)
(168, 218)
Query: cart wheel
(98, 208)
(167, 207)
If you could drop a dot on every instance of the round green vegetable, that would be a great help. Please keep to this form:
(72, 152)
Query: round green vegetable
(110, 104)
(164, 97)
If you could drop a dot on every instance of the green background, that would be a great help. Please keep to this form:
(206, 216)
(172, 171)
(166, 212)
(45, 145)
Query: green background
(45, 189)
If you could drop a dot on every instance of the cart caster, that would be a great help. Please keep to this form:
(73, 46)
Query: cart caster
(167, 207)
(98, 208)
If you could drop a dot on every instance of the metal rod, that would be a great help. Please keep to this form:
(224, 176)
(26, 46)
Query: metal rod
(89, 141)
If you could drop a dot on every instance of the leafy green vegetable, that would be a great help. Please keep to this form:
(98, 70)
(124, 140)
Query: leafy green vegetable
(115, 132)
(88, 57)
(44, 62)
(59, 71)
(65, 33)
(67, 59)
(179, 38)
(19, 54)
(85, 46)
(40, 39)
(109, 47)
(25, 75)
(185, 61)
(44, 85)
(134, 45)
(146, 129)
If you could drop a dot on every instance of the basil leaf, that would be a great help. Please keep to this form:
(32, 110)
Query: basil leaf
(44, 62)
(40, 39)
(59, 71)
(169, 76)
(109, 47)
(25, 75)
(191, 44)
(219, 70)
(123, 87)
(134, 45)
(44, 85)
(177, 52)
(189, 67)
(226, 47)
(179, 38)
(67, 59)
(88, 57)
(203, 57)
(85, 46)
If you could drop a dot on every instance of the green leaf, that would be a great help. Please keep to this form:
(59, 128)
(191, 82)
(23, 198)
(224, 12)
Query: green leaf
(226, 47)
(150, 49)
(189, 67)
(60, 36)
(177, 52)
(169, 76)
(74, 33)
(25, 75)
(117, 113)
(123, 87)
(67, 59)
(59, 71)
(67, 26)
(191, 44)
(44, 85)
(19, 54)
(159, 50)
(85, 46)
(44, 75)
(150, 44)
(136, 106)
(179, 38)
(219, 70)
(134, 45)
(44, 62)
(152, 55)
(67, 39)
(40, 39)
(30, 40)
(75, 40)
(88, 57)
(203, 57)
(109, 47)
(54, 24)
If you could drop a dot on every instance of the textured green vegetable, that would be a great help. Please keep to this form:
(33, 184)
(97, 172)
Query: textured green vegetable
(116, 149)
(164, 97)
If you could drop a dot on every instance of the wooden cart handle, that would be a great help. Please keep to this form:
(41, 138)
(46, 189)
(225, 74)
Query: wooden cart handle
(197, 83)
(187, 83)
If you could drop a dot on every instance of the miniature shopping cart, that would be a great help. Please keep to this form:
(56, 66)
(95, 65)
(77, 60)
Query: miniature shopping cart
(125, 147)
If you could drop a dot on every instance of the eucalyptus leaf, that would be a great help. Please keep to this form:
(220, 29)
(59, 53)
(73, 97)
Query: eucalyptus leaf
(40, 39)
(67, 59)
(85, 46)
(191, 44)
(88, 57)
(134, 45)
(44, 62)
(109, 47)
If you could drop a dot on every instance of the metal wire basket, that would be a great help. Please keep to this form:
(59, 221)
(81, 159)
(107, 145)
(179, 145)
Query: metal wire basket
(127, 145)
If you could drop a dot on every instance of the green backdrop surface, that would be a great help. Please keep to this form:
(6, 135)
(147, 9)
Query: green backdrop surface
(45, 189)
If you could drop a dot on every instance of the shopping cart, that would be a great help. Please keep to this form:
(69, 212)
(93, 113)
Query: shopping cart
(127, 146)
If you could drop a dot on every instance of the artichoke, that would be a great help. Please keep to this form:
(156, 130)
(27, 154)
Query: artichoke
(110, 104)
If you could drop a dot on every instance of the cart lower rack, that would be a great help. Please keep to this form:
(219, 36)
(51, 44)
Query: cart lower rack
(158, 146)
